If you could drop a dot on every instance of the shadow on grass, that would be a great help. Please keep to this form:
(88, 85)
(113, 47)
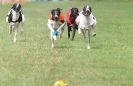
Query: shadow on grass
(69, 47)
(96, 47)
(22, 40)
(62, 47)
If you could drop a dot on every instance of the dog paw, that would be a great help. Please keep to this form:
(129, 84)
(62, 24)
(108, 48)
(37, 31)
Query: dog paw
(52, 46)
(60, 36)
(94, 34)
(22, 30)
(88, 47)
(54, 37)
(10, 31)
(14, 40)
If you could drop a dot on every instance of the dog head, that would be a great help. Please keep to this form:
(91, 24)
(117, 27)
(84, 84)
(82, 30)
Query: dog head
(87, 10)
(74, 14)
(74, 11)
(55, 14)
(16, 7)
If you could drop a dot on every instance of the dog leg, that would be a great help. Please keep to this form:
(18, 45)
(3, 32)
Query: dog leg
(14, 38)
(10, 29)
(79, 30)
(53, 44)
(62, 30)
(16, 28)
(75, 27)
(92, 27)
(73, 34)
(21, 27)
(52, 40)
(83, 32)
(89, 34)
(69, 30)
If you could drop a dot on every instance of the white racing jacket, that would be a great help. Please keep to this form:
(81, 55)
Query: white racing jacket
(85, 21)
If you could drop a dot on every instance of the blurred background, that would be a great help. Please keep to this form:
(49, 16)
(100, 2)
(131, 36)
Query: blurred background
(21, 1)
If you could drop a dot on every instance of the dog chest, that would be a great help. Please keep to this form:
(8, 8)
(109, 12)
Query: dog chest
(86, 21)
(55, 25)
(15, 16)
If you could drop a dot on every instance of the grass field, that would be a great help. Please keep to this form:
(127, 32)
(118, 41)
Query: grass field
(32, 62)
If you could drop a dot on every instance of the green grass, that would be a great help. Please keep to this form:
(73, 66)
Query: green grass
(32, 62)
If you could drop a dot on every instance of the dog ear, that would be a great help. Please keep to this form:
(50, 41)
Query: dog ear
(14, 6)
(72, 10)
(59, 10)
(52, 11)
(84, 8)
(19, 7)
(77, 10)
(90, 9)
